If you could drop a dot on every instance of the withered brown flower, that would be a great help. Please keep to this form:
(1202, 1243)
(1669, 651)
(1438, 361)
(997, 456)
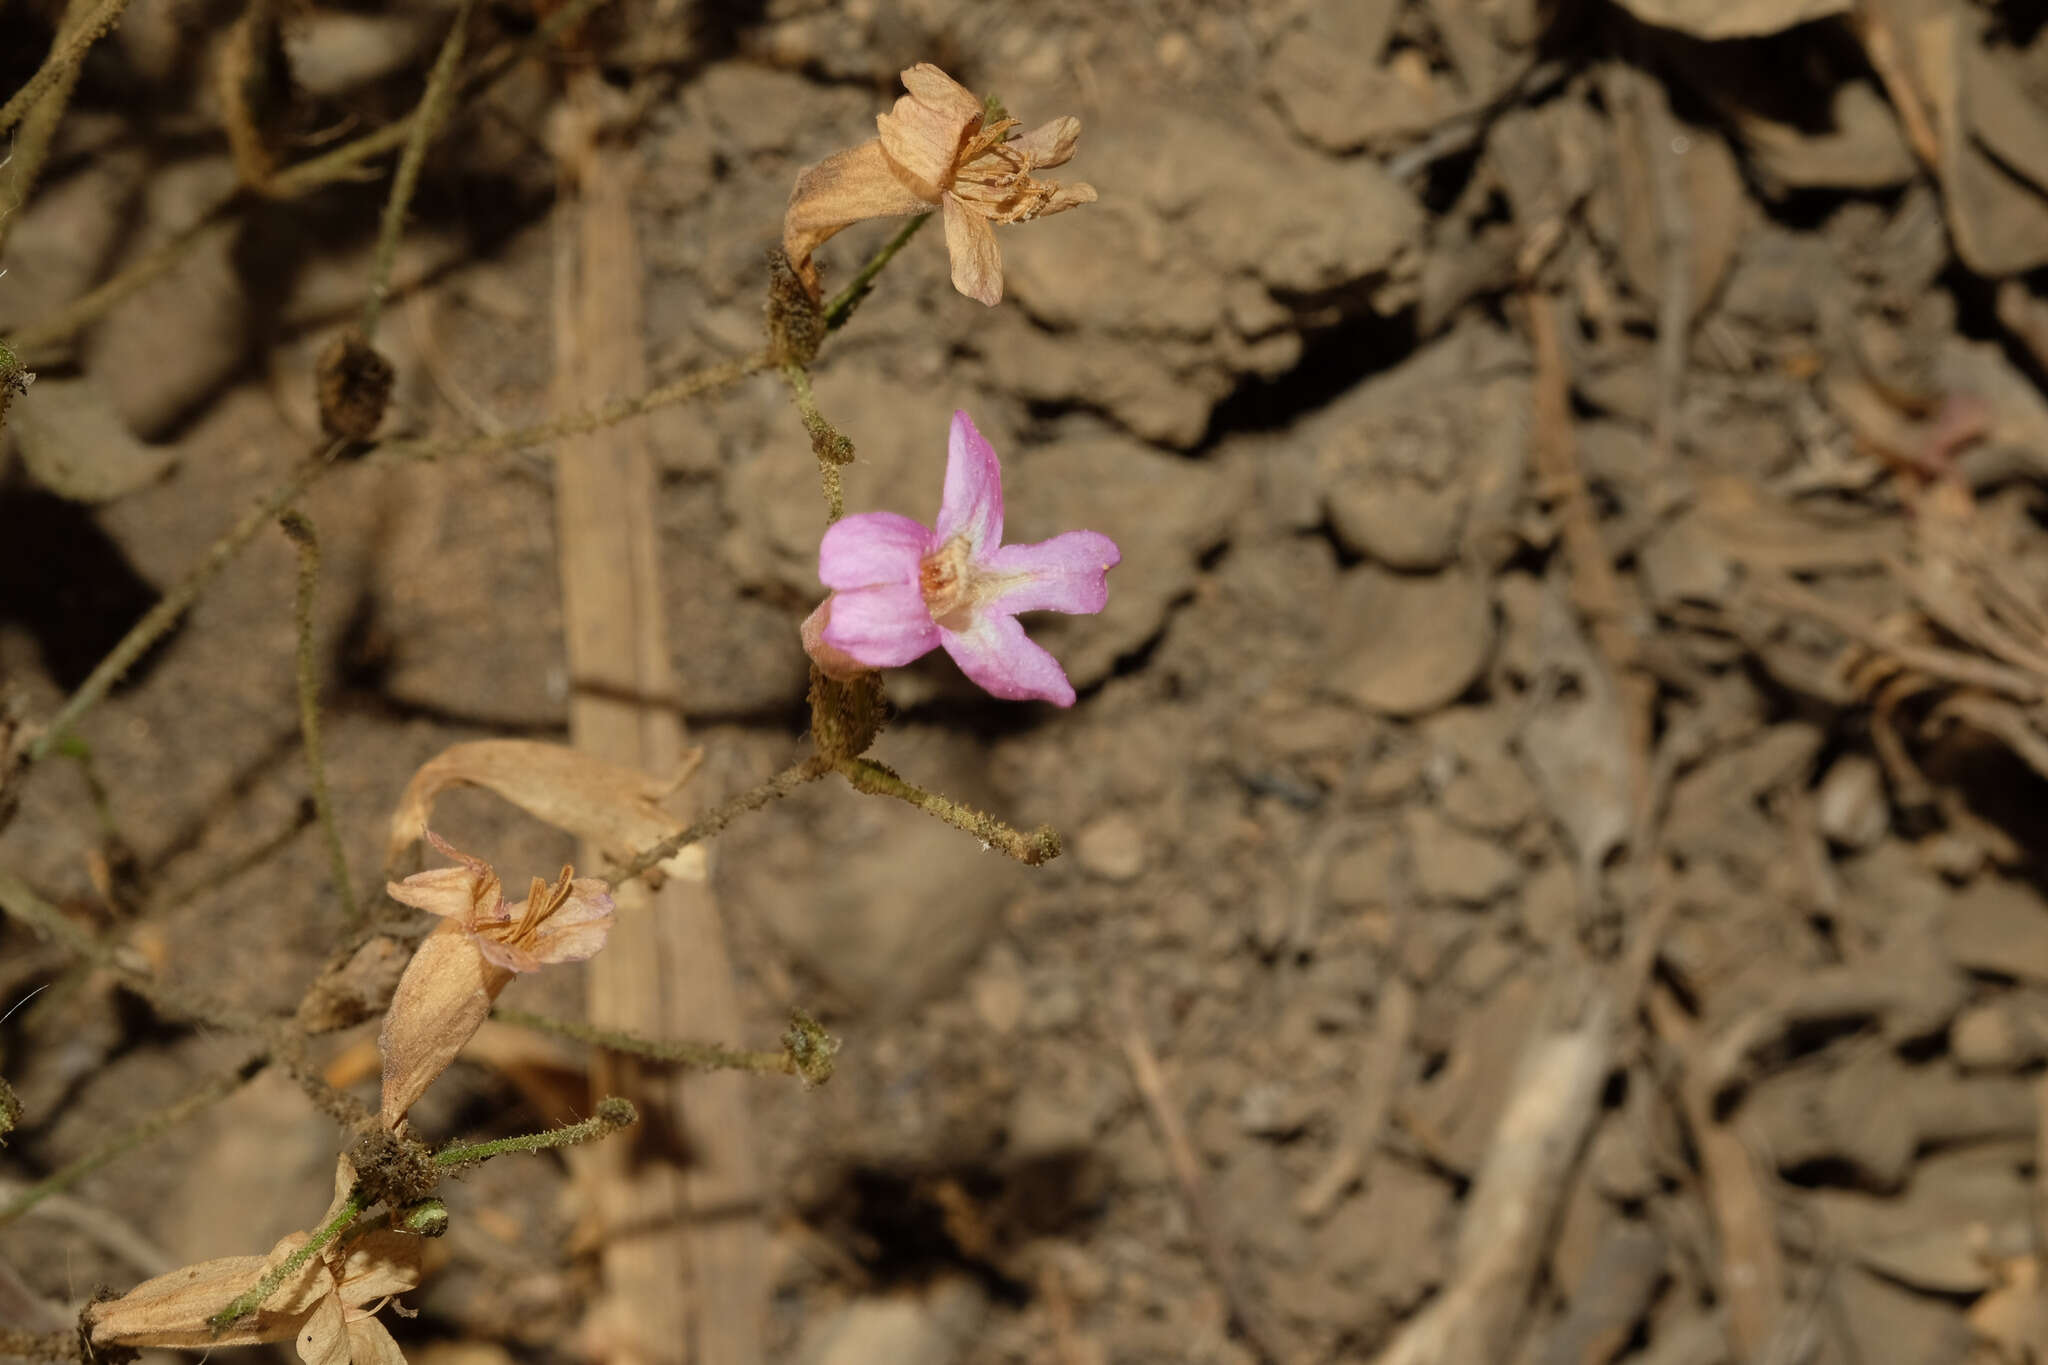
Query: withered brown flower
(458, 970)
(328, 1307)
(936, 149)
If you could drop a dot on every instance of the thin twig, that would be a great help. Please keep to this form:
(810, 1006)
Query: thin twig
(1040, 846)
(33, 340)
(723, 814)
(175, 603)
(342, 162)
(425, 122)
(316, 173)
(39, 106)
(300, 530)
(133, 1136)
(839, 308)
(705, 1056)
(234, 867)
(695, 384)
(65, 55)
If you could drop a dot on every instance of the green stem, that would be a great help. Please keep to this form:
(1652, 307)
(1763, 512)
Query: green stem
(612, 1114)
(839, 308)
(252, 1298)
(1039, 846)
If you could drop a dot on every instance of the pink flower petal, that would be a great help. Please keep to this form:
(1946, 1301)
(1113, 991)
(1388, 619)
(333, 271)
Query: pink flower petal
(1067, 573)
(973, 501)
(885, 626)
(999, 658)
(873, 547)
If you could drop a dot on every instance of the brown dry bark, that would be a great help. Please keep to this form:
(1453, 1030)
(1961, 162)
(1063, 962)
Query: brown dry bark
(680, 1208)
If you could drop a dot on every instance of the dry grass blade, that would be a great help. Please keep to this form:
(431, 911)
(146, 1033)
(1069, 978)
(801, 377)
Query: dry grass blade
(666, 973)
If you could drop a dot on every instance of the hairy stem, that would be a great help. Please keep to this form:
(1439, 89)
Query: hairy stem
(175, 603)
(39, 106)
(695, 384)
(832, 449)
(1039, 846)
(425, 122)
(704, 1056)
(723, 814)
(252, 1298)
(133, 1136)
(612, 1114)
(300, 530)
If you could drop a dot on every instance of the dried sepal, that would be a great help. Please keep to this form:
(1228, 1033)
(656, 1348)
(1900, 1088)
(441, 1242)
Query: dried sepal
(172, 1309)
(443, 998)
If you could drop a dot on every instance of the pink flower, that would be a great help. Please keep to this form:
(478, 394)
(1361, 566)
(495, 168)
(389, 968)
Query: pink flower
(900, 588)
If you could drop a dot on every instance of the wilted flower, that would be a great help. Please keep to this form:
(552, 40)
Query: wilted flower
(328, 1307)
(936, 150)
(460, 968)
(901, 588)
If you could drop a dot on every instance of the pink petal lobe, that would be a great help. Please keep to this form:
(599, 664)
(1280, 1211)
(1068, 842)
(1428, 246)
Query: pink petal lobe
(872, 547)
(999, 658)
(1067, 573)
(973, 501)
(885, 626)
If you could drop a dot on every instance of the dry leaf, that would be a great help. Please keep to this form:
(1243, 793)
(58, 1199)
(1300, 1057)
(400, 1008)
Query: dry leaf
(606, 804)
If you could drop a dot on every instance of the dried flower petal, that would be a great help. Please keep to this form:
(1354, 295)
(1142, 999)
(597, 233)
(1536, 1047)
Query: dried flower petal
(900, 588)
(458, 970)
(327, 1306)
(936, 150)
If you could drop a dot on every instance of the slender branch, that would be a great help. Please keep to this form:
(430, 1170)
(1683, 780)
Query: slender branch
(144, 1130)
(342, 162)
(1040, 846)
(425, 122)
(242, 862)
(839, 308)
(65, 55)
(612, 1114)
(300, 530)
(251, 1299)
(34, 339)
(39, 106)
(704, 1056)
(695, 384)
(723, 814)
(175, 603)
